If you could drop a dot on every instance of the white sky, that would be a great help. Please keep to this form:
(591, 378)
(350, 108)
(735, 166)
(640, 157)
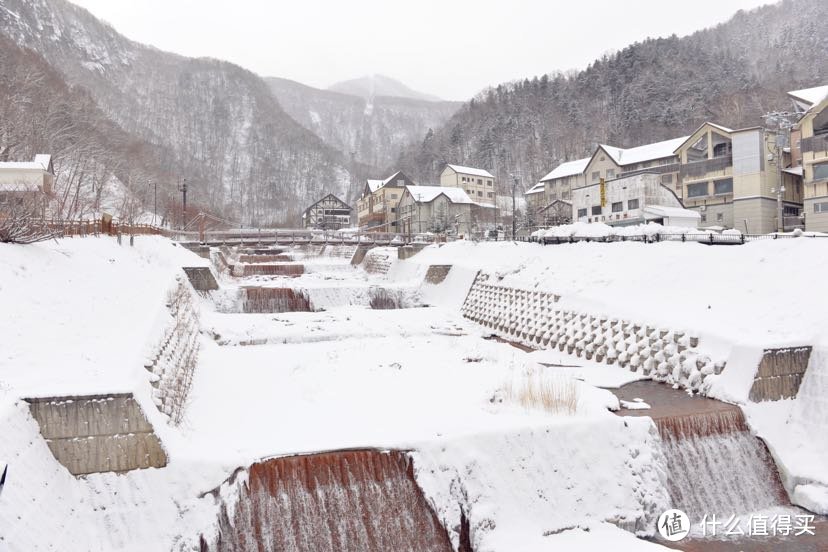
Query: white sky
(450, 48)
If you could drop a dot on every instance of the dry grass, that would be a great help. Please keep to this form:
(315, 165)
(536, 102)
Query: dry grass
(533, 389)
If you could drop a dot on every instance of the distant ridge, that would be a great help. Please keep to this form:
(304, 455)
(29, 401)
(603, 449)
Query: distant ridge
(379, 85)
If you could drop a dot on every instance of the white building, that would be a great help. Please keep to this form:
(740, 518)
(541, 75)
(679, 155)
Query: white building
(636, 199)
(437, 209)
(479, 184)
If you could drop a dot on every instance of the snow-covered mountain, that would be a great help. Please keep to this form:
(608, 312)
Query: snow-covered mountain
(371, 86)
(373, 129)
(218, 124)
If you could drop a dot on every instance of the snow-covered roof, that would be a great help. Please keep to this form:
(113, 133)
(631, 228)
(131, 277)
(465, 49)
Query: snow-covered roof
(536, 189)
(374, 185)
(810, 96)
(470, 170)
(670, 212)
(567, 169)
(427, 194)
(41, 163)
(796, 171)
(647, 152)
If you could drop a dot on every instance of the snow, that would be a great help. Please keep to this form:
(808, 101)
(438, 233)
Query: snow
(569, 168)
(671, 212)
(641, 154)
(427, 194)
(811, 96)
(536, 189)
(470, 171)
(374, 185)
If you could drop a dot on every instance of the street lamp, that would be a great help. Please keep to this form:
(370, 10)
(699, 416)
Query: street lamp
(183, 189)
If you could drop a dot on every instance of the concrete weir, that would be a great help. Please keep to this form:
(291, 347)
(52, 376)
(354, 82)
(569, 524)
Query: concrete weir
(343, 501)
(98, 433)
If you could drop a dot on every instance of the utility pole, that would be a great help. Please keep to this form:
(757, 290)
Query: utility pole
(154, 200)
(183, 189)
(515, 180)
(780, 121)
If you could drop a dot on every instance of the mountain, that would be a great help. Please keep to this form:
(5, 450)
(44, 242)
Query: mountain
(371, 130)
(653, 90)
(216, 124)
(370, 86)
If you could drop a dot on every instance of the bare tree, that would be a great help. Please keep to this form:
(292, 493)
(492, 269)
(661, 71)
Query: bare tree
(20, 217)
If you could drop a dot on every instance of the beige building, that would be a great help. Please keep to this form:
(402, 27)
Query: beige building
(812, 130)
(479, 184)
(27, 183)
(731, 177)
(377, 205)
(436, 209)
(560, 182)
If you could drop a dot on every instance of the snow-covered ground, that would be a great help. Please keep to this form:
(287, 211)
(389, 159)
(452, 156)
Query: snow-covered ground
(82, 315)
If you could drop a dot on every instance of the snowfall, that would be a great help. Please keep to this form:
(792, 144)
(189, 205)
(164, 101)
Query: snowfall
(82, 315)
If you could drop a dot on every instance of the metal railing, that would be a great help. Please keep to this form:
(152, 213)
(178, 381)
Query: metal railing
(709, 238)
(701, 168)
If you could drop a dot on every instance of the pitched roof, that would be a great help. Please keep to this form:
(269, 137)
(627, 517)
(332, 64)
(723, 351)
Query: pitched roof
(41, 163)
(701, 126)
(374, 185)
(647, 152)
(470, 170)
(427, 194)
(809, 96)
(567, 169)
(536, 189)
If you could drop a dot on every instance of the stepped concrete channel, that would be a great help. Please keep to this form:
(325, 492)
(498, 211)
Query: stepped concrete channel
(307, 278)
(714, 465)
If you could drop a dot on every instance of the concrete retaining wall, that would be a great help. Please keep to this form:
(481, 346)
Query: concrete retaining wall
(379, 259)
(100, 433)
(531, 318)
(780, 373)
(436, 274)
(201, 278)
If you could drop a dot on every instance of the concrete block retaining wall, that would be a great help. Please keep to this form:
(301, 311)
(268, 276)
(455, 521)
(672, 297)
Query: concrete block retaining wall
(173, 361)
(531, 317)
(780, 373)
(436, 274)
(101, 433)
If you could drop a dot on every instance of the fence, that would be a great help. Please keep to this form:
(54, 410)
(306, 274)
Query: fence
(709, 238)
(71, 228)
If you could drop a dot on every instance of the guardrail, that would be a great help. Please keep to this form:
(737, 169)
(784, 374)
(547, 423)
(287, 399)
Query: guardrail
(709, 238)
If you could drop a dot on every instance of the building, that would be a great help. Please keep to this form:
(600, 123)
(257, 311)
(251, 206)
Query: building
(811, 143)
(377, 205)
(731, 177)
(436, 209)
(635, 199)
(558, 184)
(27, 184)
(479, 184)
(329, 213)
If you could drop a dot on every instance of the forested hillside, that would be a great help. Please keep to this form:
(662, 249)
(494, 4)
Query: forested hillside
(650, 91)
(217, 124)
(370, 128)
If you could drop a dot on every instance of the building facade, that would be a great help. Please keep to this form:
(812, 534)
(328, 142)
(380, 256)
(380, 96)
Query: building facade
(27, 184)
(329, 213)
(813, 148)
(377, 205)
(635, 199)
(436, 209)
(479, 184)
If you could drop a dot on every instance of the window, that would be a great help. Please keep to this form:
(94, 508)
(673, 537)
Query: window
(666, 178)
(393, 196)
(821, 171)
(489, 182)
(821, 207)
(596, 176)
(480, 193)
(610, 174)
(582, 213)
(719, 217)
(632, 204)
(697, 190)
(400, 183)
(790, 211)
(596, 209)
(723, 186)
(703, 217)
(618, 206)
(480, 181)
(393, 210)
(490, 194)
(721, 150)
(464, 179)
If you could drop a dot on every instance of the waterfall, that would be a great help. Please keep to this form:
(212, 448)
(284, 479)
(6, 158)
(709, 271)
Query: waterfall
(337, 502)
(716, 466)
(274, 300)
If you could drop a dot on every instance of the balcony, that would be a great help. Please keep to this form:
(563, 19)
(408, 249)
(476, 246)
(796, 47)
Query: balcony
(706, 169)
(814, 144)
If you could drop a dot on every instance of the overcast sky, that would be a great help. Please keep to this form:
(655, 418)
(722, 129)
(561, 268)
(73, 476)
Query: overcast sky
(450, 48)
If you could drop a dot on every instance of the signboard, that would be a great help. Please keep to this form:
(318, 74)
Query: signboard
(603, 187)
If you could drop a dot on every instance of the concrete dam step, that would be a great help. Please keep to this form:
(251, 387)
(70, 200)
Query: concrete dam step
(350, 501)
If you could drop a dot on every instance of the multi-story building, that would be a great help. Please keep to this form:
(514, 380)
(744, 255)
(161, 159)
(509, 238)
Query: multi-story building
(329, 213)
(479, 184)
(377, 206)
(559, 183)
(732, 178)
(27, 184)
(437, 209)
(634, 199)
(812, 131)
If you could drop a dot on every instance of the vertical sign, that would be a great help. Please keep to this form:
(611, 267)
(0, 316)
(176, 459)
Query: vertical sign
(603, 193)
